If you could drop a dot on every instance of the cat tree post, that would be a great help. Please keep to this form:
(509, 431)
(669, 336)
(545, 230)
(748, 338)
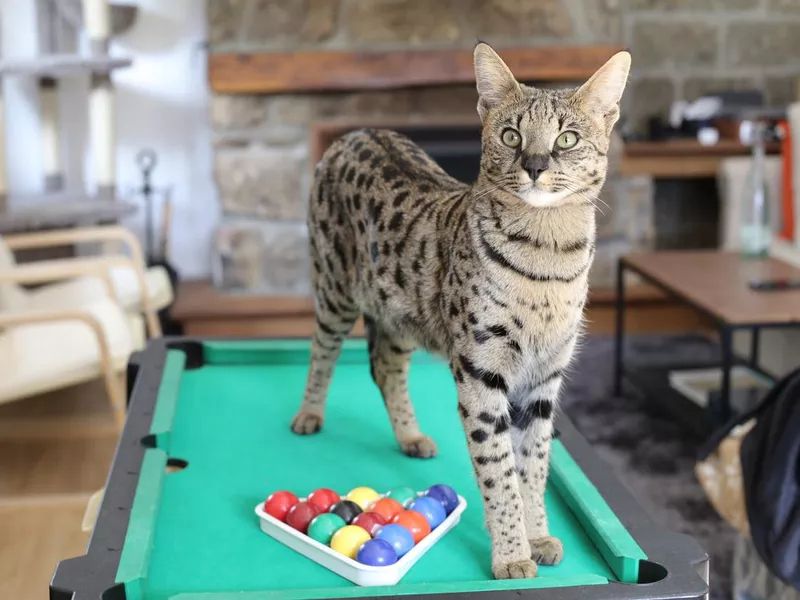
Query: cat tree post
(97, 21)
(50, 125)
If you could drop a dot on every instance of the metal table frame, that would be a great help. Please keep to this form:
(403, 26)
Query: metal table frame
(719, 409)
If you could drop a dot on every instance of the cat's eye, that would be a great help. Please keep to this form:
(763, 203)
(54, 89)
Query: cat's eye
(567, 140)
(511, 138)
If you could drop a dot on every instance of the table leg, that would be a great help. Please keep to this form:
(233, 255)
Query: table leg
(618, 366)
(721, 409)
(754, 347)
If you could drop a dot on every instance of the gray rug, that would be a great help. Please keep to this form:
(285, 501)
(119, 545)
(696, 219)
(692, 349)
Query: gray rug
(649, 452)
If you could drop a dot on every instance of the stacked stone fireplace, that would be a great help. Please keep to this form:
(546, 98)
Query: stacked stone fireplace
(266, 144)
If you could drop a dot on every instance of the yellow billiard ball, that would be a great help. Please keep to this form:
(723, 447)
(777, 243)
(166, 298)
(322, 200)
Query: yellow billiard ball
(363, 496)
(349, 539)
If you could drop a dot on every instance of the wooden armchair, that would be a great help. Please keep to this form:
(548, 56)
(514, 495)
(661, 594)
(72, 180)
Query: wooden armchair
(77, 281)
(43, 350)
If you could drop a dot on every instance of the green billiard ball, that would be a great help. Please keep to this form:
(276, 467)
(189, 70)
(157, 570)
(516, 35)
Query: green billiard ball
(324, 526)
(404, 495)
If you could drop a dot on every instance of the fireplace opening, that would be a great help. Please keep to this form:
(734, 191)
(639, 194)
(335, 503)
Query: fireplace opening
(457, 149)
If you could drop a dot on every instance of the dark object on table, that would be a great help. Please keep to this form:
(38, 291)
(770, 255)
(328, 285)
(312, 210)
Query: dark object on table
(221, 553)
(770, 458)
(157, 254)
(659, 129)
(774, 285)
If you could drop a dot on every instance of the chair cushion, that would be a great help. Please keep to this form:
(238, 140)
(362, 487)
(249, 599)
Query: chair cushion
(39, 357)
(79, 291)
(126, 286)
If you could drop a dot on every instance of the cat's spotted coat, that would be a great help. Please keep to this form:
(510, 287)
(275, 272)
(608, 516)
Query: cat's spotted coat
(492, 276)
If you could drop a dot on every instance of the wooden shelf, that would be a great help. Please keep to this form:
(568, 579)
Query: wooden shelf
(320, 71)
(681, 158)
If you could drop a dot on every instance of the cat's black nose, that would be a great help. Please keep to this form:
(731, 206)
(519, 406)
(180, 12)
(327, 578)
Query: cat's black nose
(536, 164)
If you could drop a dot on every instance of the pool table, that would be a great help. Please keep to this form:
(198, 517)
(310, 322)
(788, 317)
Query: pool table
(207, 438)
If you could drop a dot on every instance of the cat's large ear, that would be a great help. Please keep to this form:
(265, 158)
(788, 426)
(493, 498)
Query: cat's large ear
(494, 79)
(602, 93)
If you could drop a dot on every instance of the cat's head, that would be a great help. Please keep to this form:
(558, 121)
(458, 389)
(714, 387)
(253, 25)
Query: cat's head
(547, 147)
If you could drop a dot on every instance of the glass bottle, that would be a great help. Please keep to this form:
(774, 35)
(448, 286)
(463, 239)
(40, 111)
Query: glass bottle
(756, 229)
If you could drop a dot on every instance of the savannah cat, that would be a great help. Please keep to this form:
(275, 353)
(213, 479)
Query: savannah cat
(492, 276)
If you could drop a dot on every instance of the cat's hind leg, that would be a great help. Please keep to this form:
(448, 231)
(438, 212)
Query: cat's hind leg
(336, 313)
(390, 360)
(330, 331)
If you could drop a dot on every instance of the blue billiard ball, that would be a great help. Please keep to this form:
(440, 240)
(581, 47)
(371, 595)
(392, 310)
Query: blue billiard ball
(445, 495)
(431, 509)
(398, 536)
(376, 553)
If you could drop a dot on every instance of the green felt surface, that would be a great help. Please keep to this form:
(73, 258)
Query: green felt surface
(194, 535)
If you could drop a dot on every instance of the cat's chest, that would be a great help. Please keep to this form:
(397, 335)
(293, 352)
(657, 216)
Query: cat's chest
(546, 319)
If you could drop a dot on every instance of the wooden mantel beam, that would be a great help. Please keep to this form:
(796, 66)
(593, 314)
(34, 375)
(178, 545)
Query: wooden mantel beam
(326, 71)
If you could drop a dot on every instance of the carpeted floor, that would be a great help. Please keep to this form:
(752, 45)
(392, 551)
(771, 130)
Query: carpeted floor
(652, 454)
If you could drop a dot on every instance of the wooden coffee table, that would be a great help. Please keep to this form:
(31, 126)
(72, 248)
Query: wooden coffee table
(717, 285)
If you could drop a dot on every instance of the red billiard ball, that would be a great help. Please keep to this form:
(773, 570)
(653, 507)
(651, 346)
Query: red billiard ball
(388, 508)
(416, 523)
(279, 503)
(370, 522)
(323, 498)
(301, 514)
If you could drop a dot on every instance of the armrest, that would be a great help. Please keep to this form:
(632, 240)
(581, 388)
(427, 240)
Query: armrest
(64, 237)
(49, 271)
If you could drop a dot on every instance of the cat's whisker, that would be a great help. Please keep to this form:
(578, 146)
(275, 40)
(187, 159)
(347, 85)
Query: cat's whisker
(572, 189)
(486, 191)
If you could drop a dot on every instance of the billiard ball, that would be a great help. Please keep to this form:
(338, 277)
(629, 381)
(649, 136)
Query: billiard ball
(445, 495)
(416, 524)
(431, 509)
(387, 508)
(369, 521)
(347, 509)
(323, 526)
(324, 498)
(376, 553)
(363, 496)
(398, 536)
(279, 503)
(404, 495)
(348, 540)
(301, 514)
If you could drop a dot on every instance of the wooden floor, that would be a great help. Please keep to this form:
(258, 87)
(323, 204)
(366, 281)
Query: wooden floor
(55, 451)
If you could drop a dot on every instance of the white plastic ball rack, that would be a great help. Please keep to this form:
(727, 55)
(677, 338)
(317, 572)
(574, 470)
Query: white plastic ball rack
(344, 566)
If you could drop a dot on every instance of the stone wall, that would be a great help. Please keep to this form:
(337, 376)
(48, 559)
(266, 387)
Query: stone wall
(681, 49)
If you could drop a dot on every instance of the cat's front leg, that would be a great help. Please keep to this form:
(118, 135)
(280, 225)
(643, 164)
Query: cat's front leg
(532, 433)
(532, 406)
(483, 405)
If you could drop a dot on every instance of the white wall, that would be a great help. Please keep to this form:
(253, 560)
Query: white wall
(162, 104)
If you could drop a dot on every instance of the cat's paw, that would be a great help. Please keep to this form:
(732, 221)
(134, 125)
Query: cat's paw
(419, 447)
(516, 569)
(547, 551)
(306, 423)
